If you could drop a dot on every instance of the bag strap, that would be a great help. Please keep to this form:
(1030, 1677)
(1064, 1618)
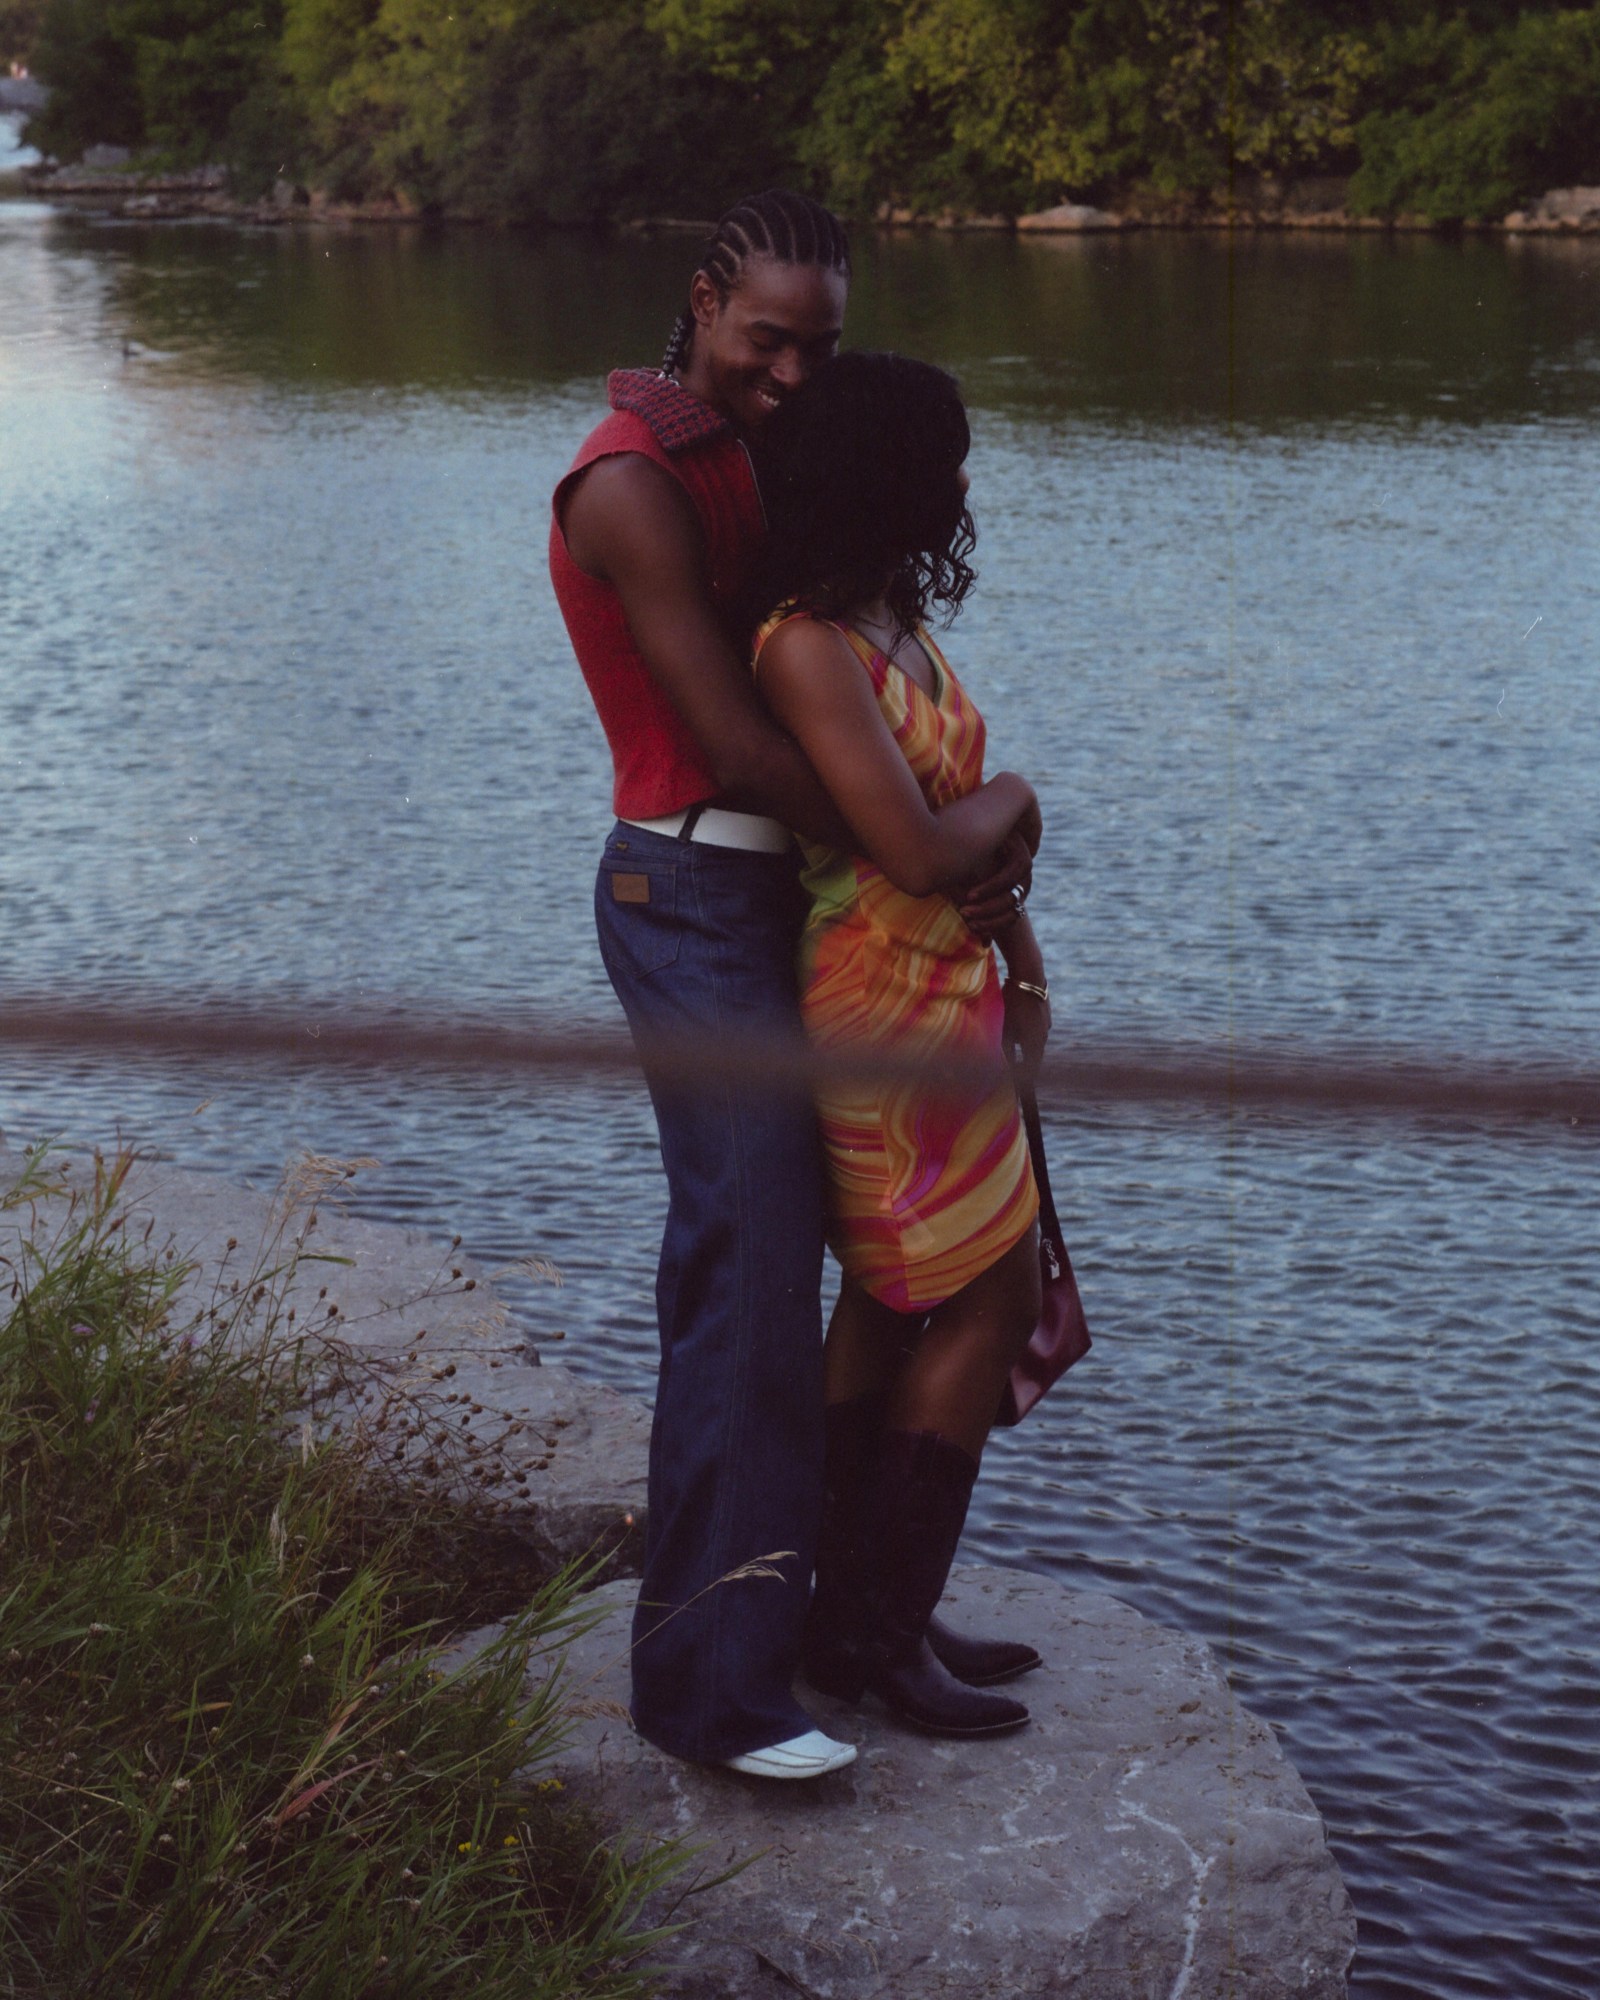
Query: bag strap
(1049, 1222)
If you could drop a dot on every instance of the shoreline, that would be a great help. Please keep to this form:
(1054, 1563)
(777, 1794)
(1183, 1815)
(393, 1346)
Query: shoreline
(1266, 207)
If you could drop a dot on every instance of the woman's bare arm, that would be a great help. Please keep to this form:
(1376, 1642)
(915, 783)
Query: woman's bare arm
(813, 683)
(1027, 1012)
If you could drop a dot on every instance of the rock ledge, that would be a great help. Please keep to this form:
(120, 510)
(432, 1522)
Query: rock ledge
(1144, 1836)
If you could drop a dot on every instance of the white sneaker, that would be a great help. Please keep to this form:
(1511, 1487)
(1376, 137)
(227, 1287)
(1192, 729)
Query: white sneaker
(808, 1756)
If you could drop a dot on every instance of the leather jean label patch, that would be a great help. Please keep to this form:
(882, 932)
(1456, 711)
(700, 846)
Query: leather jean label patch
(630, 888)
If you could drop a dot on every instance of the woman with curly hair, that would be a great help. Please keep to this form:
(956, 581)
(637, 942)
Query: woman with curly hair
(933, 1206)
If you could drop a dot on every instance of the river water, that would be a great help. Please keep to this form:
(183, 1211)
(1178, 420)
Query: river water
(1289, 604)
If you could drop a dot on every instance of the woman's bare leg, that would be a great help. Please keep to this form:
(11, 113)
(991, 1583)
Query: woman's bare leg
(910, 1405)
(953, 1378)
(866, 1345)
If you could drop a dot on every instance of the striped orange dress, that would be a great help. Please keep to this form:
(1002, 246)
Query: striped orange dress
(927, 1189)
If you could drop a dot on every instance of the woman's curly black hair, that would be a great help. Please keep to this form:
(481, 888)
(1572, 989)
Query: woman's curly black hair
(860, 473)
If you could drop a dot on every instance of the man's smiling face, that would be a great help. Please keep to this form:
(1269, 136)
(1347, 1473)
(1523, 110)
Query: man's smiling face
(779, 323)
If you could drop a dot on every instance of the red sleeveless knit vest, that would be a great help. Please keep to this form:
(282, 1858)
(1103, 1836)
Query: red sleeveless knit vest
(659, 766)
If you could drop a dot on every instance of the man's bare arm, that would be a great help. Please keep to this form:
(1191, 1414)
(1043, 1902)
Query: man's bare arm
(632, 525)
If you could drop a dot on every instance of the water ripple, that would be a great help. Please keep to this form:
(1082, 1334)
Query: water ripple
(288, 711)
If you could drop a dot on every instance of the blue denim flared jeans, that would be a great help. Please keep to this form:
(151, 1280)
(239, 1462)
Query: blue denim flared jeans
(702, 939)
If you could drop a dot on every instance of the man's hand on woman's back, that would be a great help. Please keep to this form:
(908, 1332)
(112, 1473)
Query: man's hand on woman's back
(990, 905)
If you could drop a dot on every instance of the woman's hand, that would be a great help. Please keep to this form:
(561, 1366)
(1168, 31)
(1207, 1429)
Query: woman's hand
(990, 905)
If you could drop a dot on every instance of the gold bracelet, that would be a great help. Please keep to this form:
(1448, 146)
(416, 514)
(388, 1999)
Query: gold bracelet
(1028, 986)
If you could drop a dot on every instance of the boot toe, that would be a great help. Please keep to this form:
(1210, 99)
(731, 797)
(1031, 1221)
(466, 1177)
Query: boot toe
(981, 1662)
(925, 1694)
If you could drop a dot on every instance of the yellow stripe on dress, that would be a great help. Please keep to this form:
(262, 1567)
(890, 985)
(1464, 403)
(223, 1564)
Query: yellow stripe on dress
(928, 1189)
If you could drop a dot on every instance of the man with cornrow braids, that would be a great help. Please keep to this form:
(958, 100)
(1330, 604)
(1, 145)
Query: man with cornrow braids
(655, 532)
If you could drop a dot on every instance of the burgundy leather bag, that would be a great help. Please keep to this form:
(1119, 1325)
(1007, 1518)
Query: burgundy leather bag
(1062, 1335)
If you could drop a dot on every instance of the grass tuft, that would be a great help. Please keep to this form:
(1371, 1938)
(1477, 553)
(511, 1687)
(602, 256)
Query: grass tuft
(230, 1762)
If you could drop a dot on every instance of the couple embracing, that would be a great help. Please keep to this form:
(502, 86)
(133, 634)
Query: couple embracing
(745, 551)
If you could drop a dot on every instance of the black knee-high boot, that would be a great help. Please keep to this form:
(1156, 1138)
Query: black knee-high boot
(872, 1635)
(853, 1431)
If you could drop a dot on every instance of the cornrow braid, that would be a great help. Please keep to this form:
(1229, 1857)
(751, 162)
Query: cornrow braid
(678, 344)
(792, 228)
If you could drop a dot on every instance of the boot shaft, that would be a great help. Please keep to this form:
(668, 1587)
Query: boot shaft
(918, 1508)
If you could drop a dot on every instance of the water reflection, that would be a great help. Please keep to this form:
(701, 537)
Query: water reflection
(13, 154)
(1262, 330)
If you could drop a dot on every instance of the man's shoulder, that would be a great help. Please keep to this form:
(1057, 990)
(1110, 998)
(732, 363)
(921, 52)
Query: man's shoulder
(652, 419)
(619, 431)
(626, 446)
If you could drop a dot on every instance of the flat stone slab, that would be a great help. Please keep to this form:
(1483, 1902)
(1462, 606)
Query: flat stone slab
(1144, 1838)
(560, 1459)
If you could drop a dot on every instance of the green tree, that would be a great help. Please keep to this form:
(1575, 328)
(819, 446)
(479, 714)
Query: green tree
(589, 116)
(413, 85)
(320, 45)
(166, 74)
(195, 63)
(1264, 85)
(565, 111)
(19, 30)
(797, 77)
(1470, 124)
(1014, 103)
(591, 111)
(87, 58)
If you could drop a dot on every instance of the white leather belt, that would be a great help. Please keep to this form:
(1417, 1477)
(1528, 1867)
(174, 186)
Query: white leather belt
(717, 827)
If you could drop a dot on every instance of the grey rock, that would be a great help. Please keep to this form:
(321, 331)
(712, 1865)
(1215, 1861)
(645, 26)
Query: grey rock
(112, 170)
(1069, 217)
(1574, 204)
(1143, 1837)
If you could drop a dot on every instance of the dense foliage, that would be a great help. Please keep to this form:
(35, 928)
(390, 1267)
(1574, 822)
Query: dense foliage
(598, 110)
(19, 29)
